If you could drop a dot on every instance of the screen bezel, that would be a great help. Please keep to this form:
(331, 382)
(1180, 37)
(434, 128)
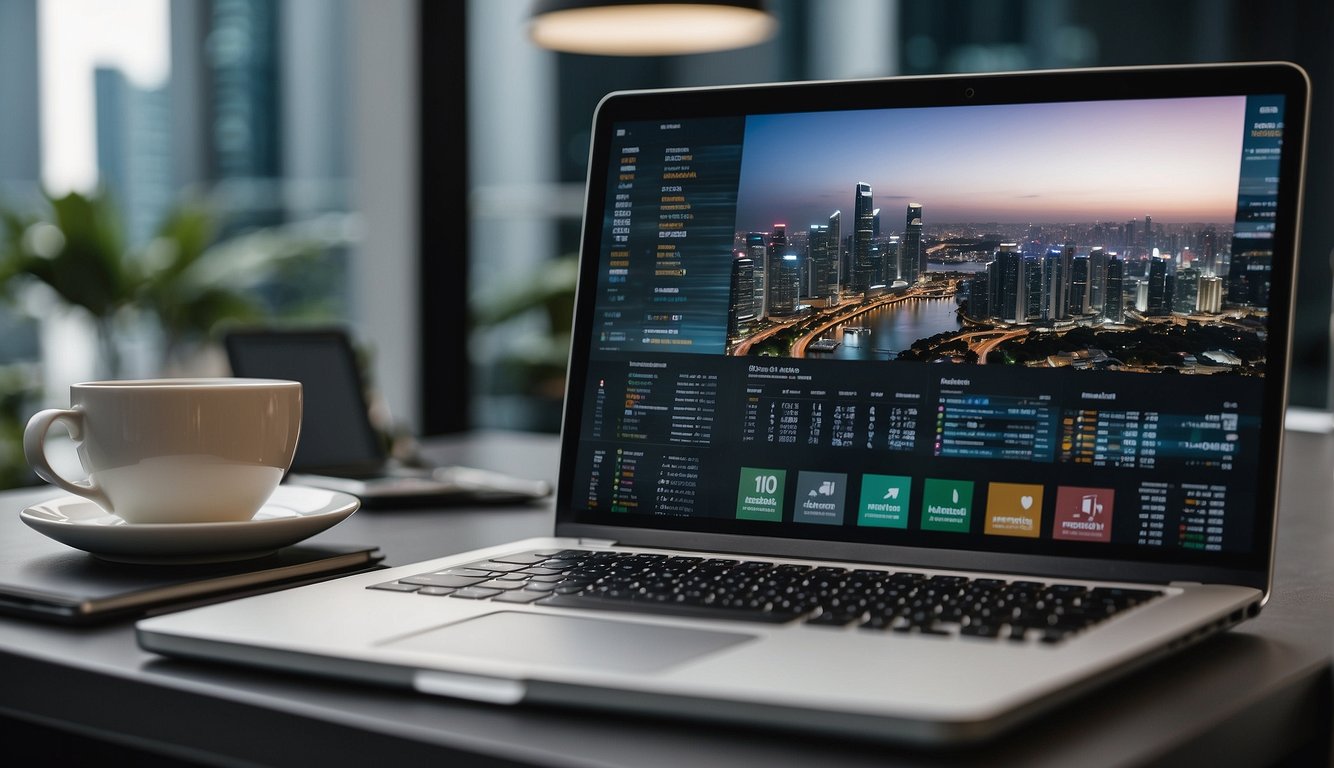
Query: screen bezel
(1254, 569)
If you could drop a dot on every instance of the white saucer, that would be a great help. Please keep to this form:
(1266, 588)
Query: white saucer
(291, 514)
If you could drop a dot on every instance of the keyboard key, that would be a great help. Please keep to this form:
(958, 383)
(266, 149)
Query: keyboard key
(1068, 589)
(441, 580)
(991, 631)
(436, 591)
(476, 593)
(523, 558)
(559, 566)
(395, 586)
(571, 587)
(495, 565)
(1126, 596)
(1054, 635)
(833, 619)
(500, 584)
(518, 596)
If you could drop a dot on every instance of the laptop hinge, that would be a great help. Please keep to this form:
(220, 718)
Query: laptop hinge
(585, 542)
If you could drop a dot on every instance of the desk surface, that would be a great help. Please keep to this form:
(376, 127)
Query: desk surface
(1247, 697)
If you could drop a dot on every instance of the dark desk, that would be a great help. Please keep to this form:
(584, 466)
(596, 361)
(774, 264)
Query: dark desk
(1250, 697)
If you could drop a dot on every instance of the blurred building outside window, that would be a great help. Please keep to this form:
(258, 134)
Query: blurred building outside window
(207, 148)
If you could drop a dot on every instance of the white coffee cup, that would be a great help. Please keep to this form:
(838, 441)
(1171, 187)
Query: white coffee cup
(175, 450)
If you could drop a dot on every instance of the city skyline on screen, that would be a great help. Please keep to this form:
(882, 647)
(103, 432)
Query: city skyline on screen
(1176, 159)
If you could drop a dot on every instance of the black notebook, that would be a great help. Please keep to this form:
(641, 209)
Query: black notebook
(44, 579)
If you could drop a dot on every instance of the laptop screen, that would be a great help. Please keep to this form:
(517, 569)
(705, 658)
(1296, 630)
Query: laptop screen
(1035, 325)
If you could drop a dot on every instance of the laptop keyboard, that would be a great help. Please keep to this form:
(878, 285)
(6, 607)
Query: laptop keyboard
(753, 590)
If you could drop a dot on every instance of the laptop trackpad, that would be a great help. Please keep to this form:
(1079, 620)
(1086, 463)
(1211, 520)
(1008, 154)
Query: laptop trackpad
(569, 641)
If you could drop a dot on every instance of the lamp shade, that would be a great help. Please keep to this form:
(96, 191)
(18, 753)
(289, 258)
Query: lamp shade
(647, 28)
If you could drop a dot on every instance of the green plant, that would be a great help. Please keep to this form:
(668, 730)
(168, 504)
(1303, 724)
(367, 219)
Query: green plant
(184, 279)
(19, 389)
(78, 250)
(532, 365)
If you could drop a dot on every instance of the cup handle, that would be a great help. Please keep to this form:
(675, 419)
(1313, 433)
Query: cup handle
(34, 448)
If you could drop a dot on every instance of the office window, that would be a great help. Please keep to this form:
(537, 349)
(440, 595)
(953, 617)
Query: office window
(235, 111)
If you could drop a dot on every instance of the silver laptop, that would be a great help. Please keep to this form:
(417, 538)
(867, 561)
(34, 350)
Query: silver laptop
(900, 408)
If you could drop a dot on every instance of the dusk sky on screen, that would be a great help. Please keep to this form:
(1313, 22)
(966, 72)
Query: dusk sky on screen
(1175, 160)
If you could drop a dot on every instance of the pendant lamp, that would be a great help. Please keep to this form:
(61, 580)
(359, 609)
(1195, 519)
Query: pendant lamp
(647, 28)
